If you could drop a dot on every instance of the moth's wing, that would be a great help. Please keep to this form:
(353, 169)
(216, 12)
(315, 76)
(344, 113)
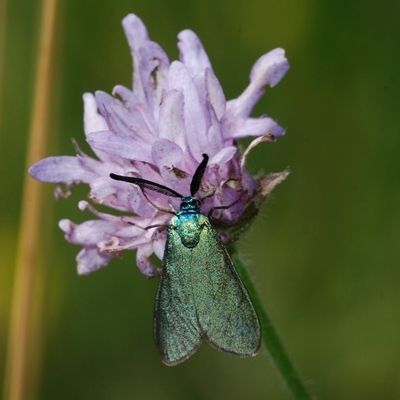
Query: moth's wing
(225, 312)
(176, 329)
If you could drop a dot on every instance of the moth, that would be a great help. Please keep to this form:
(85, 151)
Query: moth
(200, 295)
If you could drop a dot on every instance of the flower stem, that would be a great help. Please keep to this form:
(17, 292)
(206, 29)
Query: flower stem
(23, 343)
(269, 334)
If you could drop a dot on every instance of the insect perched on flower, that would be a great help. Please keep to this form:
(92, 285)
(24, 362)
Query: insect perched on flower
(159, 131)
(200, 295)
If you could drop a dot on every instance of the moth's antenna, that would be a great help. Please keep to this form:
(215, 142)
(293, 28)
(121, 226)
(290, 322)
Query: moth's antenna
(144, 184)
(198, 175)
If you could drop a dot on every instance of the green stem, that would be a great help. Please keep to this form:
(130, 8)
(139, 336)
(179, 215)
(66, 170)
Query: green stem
(269, 334)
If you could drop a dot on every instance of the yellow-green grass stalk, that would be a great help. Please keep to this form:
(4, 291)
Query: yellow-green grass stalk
(22, 342)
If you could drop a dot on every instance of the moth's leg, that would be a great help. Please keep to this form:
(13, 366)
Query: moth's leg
(155, 205)
(232, 236)
(213, 209)
(163, 226)
(205, 194)
(145, 228)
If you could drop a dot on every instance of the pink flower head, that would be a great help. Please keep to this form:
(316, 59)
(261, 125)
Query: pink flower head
(158, 131)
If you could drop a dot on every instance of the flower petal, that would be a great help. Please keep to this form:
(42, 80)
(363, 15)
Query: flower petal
(101, 188)
(192, 53)
(153, 67)
(167, 153)
(143, 261)
(159, 238)
(266, 138)
(90, 259)
(268, 70)
(254, 127)
(120, 146)
(172, 121)
(223, 156)
(93, 121)
(215, 94)
(127, 96)
(87, 233)
(177, 180)
(215, 136)
(62, 169)
(195, 121)
(124, 121)
(136, 33)
(140, 205)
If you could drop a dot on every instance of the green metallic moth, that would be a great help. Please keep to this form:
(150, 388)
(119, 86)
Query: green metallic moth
(200, 294)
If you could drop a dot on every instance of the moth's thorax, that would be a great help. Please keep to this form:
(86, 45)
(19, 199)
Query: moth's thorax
(188, 222)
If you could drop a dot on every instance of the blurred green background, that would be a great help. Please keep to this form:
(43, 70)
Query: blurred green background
(325, 251)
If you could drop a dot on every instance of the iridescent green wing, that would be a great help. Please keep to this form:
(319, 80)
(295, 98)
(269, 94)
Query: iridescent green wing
(176, 329)
(225, 312)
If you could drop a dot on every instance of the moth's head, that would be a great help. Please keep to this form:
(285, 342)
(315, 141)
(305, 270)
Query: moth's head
(190, 203)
